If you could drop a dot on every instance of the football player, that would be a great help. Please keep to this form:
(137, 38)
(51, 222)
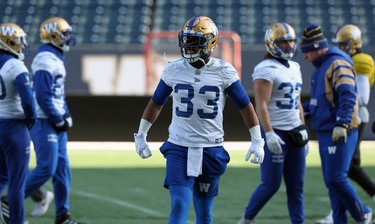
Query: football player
(348, 38)
(17, 116)
(277, 88)
(194, 150)
(49, 134)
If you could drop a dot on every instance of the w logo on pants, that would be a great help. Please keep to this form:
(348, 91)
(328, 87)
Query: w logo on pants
(331, 149)
(203, 187)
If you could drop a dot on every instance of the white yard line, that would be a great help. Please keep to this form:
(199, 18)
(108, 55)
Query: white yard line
(121, 203)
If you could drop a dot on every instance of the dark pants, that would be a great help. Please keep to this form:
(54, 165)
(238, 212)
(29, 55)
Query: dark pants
(356, 173)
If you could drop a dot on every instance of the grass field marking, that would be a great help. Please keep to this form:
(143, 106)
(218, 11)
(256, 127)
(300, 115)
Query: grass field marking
(120, 203)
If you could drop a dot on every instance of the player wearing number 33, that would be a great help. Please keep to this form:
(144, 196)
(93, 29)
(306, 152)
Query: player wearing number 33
(194, 150)
(277, 88)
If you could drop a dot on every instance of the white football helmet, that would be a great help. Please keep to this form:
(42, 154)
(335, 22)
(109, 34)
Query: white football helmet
(197, 38)
(350, 37)
(277, 33)
(57, 32)
(13, 40)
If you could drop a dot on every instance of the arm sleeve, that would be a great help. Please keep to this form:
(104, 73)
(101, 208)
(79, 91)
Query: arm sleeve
(43, 91)
(161, 93)
(22, 85)
(238, 94)
(363, 88)
(347, 101)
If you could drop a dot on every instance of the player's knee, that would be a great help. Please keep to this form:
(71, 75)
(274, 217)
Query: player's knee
(47, 171)
(335, 183)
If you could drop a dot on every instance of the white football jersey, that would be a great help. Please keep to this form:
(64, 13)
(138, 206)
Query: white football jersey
(49, 62)
(198, 101)
(287, 84)
(10, 101)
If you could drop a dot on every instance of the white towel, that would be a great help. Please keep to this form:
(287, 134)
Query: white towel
(194, 161)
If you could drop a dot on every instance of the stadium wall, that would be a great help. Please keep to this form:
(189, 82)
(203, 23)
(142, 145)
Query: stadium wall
(116, 118)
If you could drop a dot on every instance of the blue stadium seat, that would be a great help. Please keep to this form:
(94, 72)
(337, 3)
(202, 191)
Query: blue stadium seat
(129, 21)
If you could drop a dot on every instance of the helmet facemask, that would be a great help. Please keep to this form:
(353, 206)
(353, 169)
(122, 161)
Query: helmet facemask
(286, 53)
(193, 46)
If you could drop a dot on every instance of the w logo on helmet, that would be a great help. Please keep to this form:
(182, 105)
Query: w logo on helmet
(51, 27)
(8, 30)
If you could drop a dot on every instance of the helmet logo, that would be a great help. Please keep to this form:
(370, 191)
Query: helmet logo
(51, 27)
(8, 30)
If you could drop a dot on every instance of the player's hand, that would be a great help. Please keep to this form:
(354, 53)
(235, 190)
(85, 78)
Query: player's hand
(66, 125)
(141, 145)
(30, 122)
(274, 142)
(256, 148)
(339, 135)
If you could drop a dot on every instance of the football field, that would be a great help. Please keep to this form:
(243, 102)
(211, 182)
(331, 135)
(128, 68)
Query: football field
(112, 185)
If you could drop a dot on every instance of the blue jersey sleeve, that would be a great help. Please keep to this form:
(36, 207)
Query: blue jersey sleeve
(238, 94)
(347, 102)
(22, 84)
(161, 93)
(43, 91)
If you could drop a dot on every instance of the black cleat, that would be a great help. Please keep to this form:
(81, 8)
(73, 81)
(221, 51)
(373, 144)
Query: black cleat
(4, 210)
(65, 219)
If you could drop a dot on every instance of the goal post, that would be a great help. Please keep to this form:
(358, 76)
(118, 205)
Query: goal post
(162, 46)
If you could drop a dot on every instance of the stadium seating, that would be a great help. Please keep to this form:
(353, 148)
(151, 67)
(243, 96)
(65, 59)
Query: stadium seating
(126, 22)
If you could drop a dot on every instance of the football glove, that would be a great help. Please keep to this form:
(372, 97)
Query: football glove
(141, 145)
(65, 125)
(256, 148)
(30, 122)
(339, 135)
(274, 142)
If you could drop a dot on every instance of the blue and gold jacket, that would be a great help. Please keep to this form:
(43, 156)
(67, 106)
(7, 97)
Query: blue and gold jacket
(334, 100)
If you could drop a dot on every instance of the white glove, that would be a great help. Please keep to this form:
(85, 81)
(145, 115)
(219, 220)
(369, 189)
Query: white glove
(274, 142)
(141, 145)
(256, 148)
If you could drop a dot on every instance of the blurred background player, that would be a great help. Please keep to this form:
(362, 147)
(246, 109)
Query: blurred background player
(49, 134)
(348, 38)
(277, 88)
(333, 111)
(17, 116)
(194, 150)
